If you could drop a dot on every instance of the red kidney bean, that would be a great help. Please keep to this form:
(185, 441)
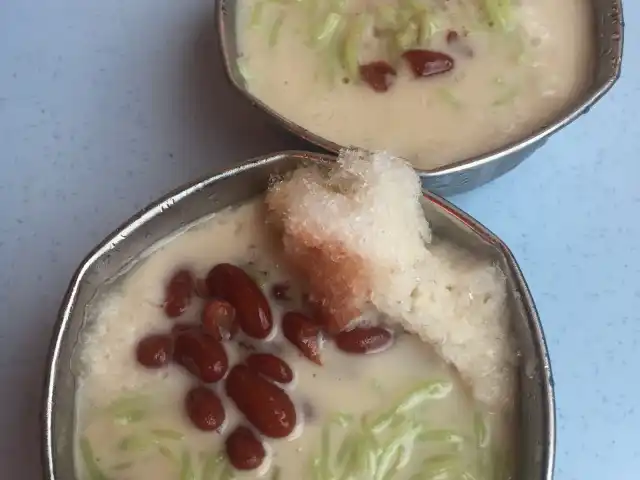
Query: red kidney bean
(234, 285)
(303, 333)
(219, 319)
(264, 404)
(178, 293)
(425, 63)
(270, 366)
(378, 75)
(244, 450)
(204, 408)
(154, 351)
(202, 355)
(364, 340)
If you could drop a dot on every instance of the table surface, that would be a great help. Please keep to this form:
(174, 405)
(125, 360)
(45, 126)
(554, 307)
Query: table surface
(105, 105)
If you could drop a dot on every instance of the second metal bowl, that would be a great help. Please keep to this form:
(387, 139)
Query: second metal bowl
(472, 172)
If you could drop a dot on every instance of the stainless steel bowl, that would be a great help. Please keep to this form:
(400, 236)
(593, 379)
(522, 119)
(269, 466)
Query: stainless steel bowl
(186, 205)
(472, 172)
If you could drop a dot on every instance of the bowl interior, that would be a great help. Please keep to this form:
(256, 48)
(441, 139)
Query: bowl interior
(608, 32)
(183, 207)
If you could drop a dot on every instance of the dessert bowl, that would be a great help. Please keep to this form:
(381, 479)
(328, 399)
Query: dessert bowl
(469, 171)
(534, 410)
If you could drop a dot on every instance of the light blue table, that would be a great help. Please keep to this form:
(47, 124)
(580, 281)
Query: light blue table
(106, 104)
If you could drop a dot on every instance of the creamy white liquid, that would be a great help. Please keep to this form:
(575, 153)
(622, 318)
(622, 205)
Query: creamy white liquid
(130, 308)
(511, 87)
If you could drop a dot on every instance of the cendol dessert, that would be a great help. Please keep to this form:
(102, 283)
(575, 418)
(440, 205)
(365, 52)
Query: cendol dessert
(432, 81)
(321, 331)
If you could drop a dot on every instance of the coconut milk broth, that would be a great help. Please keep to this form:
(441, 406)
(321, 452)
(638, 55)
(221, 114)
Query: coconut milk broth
(163, 443)
(513, 84)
